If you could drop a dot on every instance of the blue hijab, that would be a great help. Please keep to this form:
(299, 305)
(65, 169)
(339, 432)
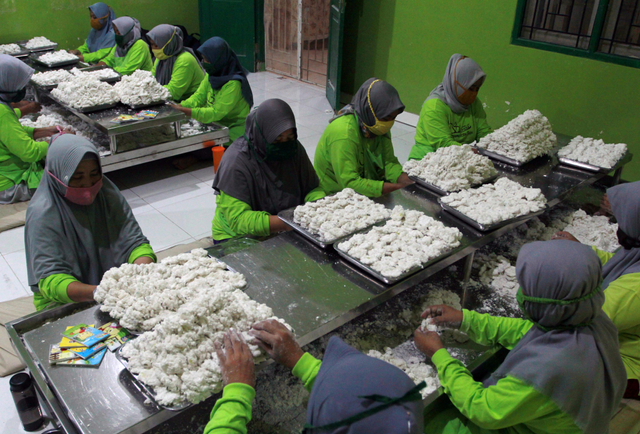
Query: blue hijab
(227, 66)
(344, 387)
(105, 37)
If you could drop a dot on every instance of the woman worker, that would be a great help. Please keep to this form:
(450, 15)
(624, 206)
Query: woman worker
(563, 375)
(355, 150)
(21, 157)
(350, 392)
(78, 226)
(101, 40)
(621, 274)
(131, 52)
(262, 173)
(452, 114)
(175, 67)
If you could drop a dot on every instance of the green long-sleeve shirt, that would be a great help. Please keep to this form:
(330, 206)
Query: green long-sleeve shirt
(511, 406)
(225, 106)
(622, 305)
(138, 57)
(95, 56)
(186, 76)
(235, 218)
(53, 289)
(232, 412)
(345, 158)
(439, 127)
(20, 155)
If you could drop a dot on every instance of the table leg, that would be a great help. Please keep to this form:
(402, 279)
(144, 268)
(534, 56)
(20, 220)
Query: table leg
(466, 275)
(617, 175)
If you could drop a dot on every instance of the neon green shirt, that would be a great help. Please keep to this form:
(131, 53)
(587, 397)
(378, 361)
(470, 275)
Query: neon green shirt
(439, 127)
(20, 155)
(96, 56)
(235, 218)
(185, 77)
(225, 106)
(232, 412)
(511, 406)
(345, 158)
(622, 305)
(53, 289)
(138, 57)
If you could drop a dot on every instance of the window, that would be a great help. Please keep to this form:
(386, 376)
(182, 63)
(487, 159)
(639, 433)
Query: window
(606, 30)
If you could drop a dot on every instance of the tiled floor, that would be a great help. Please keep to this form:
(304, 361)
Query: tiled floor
(175, 207)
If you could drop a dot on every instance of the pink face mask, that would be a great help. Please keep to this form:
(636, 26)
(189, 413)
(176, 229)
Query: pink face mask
(80, 195)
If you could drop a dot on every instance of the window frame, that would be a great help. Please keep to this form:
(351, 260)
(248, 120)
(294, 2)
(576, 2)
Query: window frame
(591, 53)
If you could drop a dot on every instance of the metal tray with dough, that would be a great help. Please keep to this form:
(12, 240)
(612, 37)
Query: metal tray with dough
(486, 228)
(36, 58)
(590, 167)
(437, 190)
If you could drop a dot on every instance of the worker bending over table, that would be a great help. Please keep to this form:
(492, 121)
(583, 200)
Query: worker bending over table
(78, 226)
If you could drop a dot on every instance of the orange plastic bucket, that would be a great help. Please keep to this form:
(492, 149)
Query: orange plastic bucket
(217, 152)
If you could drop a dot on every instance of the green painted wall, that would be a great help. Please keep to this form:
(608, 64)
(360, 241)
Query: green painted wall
(67, 21)
(409, 43)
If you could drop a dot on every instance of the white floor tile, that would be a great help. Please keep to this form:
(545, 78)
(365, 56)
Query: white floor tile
(168, 198)
(193, 215)
(17, 261)
(400, 130)
(12, 240)
(402, 148)
(161, 232)
(205, 175)
(319, 103)
(301, 92)
(305, 132)
(316, 122)
(10, 421)
(164, 185)
(10, 286)
(310, 144)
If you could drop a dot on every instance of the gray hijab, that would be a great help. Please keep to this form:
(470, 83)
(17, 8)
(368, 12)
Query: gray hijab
(345, 378)
(383, 97)
(270, 186)
(576, 363)
(14, 76)
(625, 204)
(169, 38)
(467, 72)
(130, 29)
(82, 241)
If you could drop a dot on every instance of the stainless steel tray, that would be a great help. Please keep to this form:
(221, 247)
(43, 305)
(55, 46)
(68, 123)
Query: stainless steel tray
(39, 49)
(485, 228)
(148, 390)
(96, 108)
(435, 189)
(590, 167)
(502, 158)
(24, 52)
(151, 104)
(98, 68)
(287, 217)
(36, 58)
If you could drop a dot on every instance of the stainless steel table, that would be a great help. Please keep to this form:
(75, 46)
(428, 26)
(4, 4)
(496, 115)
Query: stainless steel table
(313, 289)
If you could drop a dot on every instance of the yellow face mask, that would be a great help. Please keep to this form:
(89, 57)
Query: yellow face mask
(96, 22)
(159, 52)
(380, 128)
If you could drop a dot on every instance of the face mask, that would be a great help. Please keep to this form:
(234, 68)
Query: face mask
(380, 128)
(468, 96)
(17, 96)
(281, 151)
(96, 24)
(209, 68)
(159, 52)
(82, 195)
(119, 40)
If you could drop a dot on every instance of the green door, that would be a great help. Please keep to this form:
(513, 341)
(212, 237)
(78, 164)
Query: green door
(235, 22)
(334, 68)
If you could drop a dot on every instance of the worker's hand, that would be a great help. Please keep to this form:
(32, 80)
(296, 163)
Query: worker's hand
(605, 206)
(81, 57)
(30, 107)
(236, 360)
(404, 180)
(143, 260)
(277, 341)
(443, 315)
(563, 235)
(427, 342)
(186, 111)
(74, 52)
(101, 64)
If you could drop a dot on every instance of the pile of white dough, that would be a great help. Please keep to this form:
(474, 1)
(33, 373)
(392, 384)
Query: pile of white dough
(414, 367)
(140, 88)
(38, 42)
(593, 151)
(524, 138)
(192, 127)
(594, 231)
(497, 202)
(452, 168)
(339, 215)
(408, 240)
(497, 272)
(56, 57)
(85, 91)
(190, 301)
(50, 78)
(100, 74)
(10, 48)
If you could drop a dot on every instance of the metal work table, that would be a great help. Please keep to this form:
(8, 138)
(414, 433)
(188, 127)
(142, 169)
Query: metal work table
(313, 289)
